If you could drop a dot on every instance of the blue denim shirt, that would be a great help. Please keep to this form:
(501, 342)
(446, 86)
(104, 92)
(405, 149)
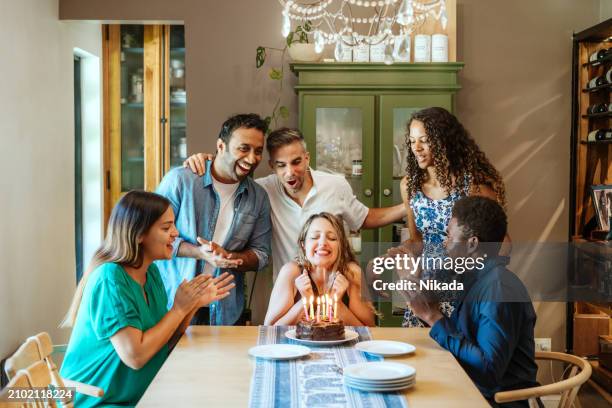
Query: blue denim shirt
(491, 338)
(196, 207)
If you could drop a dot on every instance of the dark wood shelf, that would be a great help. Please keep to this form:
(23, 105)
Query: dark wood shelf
(598, 88)
(598, 115)
(595, 143)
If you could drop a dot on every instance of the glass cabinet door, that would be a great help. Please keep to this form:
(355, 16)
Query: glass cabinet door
(177, 129)
(132, 107)
(339, 132)
(395, 112)
(144, 106)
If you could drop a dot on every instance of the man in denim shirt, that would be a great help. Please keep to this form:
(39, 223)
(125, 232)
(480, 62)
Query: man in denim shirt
(223, 218)
(490, 332)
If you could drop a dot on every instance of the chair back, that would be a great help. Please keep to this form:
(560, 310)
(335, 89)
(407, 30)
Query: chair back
(18, 381)
(568, 388)
(35, 354)
(26, 355)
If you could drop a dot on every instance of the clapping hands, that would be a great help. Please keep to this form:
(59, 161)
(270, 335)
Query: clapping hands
(216, 256)
(201, 291)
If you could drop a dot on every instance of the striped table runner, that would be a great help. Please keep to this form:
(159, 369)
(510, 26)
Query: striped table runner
(315, 381)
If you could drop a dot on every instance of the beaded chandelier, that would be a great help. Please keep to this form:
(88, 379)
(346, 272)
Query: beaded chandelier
(340, 22)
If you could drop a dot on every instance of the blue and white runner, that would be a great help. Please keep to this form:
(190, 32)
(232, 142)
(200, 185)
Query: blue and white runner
(315, 381)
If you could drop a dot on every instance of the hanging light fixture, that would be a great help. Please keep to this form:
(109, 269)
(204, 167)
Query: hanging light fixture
(386, 21)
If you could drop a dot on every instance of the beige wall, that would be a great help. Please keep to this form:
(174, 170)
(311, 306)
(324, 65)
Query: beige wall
(516, 101)
(605, 10)
(37, 261)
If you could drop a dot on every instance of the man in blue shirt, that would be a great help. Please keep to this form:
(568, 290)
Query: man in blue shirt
(223, 218)
(490, 331)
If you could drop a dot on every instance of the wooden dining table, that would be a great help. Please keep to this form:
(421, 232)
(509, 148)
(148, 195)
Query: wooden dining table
(211, 367)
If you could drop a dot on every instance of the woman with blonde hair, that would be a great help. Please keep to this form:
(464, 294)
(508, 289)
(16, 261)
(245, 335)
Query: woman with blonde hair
(325, 265)
(122, 330)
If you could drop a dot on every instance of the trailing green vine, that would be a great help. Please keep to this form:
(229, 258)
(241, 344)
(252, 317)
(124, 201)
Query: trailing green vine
(299, 35)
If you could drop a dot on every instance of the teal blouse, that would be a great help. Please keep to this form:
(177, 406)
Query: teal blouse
(111, 301)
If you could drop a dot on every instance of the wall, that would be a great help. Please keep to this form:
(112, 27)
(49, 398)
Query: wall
(37, 259)
(515, 98)
(605, 10)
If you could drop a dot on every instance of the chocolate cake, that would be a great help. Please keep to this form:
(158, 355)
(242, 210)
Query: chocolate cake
(322, 330)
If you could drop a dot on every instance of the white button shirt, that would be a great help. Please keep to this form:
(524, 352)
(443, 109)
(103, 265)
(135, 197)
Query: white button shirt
(329, 193)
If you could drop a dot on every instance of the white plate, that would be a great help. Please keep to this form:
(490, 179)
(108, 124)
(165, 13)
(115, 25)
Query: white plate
(382, 387)
(379, 371)
(379, 389)
(279, 351)
(385, 348)
(349, 335)
(366, 387)
(381, 383)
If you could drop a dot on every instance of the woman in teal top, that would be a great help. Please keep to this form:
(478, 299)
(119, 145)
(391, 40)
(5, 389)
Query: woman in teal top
(122, 330)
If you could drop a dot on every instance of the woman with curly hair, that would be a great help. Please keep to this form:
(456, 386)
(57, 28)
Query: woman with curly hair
(325, 264)
(444, 165)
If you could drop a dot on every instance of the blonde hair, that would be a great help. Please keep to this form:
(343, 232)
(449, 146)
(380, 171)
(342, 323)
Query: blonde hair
(131, 217)
(345, 255)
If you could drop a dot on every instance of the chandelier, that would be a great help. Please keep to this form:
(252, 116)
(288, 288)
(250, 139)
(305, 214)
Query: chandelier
(354, 23)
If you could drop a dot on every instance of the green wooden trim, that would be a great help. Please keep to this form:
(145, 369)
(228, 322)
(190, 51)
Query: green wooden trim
(379, 88)
(368, 66)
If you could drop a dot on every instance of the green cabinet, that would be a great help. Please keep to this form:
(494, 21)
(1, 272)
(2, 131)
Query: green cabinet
(354, 118)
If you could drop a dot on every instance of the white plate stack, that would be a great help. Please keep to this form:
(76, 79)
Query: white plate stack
(380, 376)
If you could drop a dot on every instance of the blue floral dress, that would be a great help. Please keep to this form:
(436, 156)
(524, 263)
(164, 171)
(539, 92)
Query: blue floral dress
(431, 218)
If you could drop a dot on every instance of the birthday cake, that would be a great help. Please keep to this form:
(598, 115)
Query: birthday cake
(320, 330)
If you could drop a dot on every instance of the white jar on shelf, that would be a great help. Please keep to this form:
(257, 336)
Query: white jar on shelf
(361, 53)
(377, 52)
(422, 48)
(439, 48)
(347, 50)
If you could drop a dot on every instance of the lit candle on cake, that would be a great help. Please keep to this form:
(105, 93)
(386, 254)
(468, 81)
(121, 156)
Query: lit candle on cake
(318, 309)
(322, 307)
(305, 308)
(311, 308)
(335, 306)
(329, 307)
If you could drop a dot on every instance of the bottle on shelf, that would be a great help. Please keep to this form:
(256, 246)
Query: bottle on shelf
(598, 108)
(599, 135)
(597, 81)
(599, 55)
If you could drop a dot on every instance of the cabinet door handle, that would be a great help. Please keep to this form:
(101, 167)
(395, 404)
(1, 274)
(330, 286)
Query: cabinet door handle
(386, 192)
(367, 192)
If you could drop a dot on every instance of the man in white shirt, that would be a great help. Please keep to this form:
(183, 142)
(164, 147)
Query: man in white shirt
(296, 191)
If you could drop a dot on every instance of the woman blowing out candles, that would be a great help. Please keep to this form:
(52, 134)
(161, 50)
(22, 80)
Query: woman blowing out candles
(325, 265)
(122, 330)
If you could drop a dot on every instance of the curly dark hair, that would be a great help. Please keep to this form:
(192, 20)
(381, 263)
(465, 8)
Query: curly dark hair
(481, 217)
(455, 155)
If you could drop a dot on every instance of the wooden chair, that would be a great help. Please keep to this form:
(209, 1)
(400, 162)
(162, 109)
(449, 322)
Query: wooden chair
(18, 381)
(39, 348)
(568, 388)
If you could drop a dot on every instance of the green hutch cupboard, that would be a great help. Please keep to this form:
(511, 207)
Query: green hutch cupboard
(353, 116)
